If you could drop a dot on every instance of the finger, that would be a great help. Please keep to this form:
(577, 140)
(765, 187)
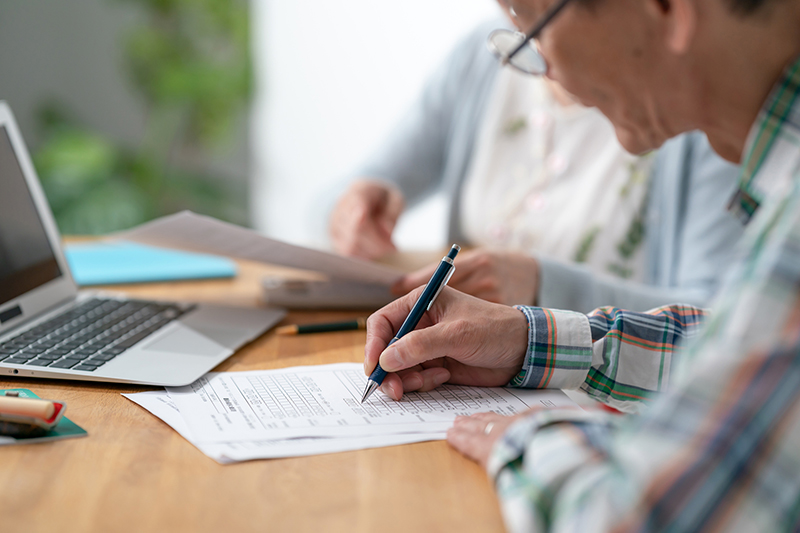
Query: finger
(461, 374)
(354, 238)
(479, 282)
(368, 239)
(425, 380)
(467, 266)
(417, 347)
(470, 423)
(413, 280)
(387, 218)
(395, 204)
(475, 435)
(357, 225)
(382, 326)
(474, 445)
(392, 387)
(412, 382)
(371, 245)
(430, 340)
(487, 416)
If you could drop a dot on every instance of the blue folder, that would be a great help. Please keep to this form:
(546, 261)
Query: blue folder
(107, 263)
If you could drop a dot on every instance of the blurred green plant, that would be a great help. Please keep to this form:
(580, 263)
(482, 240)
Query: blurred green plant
(190, 63)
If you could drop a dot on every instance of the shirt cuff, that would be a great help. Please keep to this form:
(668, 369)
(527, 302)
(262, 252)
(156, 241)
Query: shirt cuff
(520, 435)
(559, 349)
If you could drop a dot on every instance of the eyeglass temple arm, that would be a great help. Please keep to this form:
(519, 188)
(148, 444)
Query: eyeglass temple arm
(546, 18)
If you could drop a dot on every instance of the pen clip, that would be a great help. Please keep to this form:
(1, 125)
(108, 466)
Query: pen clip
(449, 275)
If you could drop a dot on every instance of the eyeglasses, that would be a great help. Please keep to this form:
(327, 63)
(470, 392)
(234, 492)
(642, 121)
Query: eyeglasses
(519, 49)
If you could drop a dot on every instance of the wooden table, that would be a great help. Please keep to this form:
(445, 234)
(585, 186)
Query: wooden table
(134, 473)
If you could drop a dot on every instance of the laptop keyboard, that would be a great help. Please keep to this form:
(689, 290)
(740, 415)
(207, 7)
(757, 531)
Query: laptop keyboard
(88, 336)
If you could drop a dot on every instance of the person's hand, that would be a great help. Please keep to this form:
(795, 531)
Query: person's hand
(502, 277)
(475, 435)
(363, 219)
(461, 340)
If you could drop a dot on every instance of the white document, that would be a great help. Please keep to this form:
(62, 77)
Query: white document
(161, 405)
(189, 231)
(324, 401)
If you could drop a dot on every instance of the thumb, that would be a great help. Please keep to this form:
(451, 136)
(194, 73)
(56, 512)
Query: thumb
(418, 347)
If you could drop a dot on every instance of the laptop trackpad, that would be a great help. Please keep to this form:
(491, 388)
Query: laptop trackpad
(184, 341)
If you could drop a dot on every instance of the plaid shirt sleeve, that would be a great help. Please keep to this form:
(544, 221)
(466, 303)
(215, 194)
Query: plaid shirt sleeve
(617, 357)
(717, 450)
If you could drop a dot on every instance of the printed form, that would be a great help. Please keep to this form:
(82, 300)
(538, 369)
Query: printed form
(324, 401)
(161, 405)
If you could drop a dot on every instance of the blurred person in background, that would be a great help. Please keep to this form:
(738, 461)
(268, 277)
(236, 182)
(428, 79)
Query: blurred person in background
(559, 213)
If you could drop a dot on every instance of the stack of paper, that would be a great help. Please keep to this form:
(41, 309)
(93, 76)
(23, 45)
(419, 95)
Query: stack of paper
(238, 416)
(348, 282)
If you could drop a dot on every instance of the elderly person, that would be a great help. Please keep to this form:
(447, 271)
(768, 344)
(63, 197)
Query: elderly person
(716, 441)
(559, 213)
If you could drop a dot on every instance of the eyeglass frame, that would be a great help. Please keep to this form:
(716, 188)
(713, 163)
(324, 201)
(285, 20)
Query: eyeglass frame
(534, 32)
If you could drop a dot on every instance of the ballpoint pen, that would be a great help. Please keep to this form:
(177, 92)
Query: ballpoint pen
(435, 285)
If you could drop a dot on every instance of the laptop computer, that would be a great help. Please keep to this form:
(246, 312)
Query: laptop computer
(48, 329)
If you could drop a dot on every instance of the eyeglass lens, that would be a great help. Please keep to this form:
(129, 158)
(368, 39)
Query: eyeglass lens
(528, 60)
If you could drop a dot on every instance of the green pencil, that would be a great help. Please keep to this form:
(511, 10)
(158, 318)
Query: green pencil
(347, 325)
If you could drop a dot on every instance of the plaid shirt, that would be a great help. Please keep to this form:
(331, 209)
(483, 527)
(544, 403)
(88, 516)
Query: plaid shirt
(718, 448)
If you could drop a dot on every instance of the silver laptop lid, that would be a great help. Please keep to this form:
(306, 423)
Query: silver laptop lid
(34, 276)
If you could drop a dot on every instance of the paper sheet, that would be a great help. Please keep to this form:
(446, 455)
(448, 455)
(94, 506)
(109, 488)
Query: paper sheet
(189, 231)
(324, 401)
(161, 405)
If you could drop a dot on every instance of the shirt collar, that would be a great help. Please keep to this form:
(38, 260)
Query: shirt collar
(782, 108)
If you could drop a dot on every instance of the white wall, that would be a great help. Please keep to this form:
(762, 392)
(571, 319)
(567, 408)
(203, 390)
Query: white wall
(332, 78)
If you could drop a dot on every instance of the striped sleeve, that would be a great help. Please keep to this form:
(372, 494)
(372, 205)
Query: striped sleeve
(617, 357)
(717, 453)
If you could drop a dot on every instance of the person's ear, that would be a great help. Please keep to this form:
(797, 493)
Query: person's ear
(680, 17)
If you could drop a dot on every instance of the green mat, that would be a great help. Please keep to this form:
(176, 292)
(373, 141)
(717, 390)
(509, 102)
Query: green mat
(66, 428)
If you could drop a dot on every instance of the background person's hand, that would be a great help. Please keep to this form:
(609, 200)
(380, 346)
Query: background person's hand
(461, 340)
(363, 219)
(507, 278)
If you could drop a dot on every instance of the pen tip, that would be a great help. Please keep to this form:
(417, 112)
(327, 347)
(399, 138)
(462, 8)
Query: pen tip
(371, 386)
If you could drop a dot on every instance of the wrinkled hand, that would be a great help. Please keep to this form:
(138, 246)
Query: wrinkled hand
(461, 340)
(362, 222)
(502, 277)
(475, 437)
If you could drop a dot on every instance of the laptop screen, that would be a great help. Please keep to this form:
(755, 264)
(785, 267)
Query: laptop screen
(26, 257)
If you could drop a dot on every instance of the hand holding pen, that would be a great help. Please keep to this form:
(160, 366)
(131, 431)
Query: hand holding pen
(437, 282)
(460, 340)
